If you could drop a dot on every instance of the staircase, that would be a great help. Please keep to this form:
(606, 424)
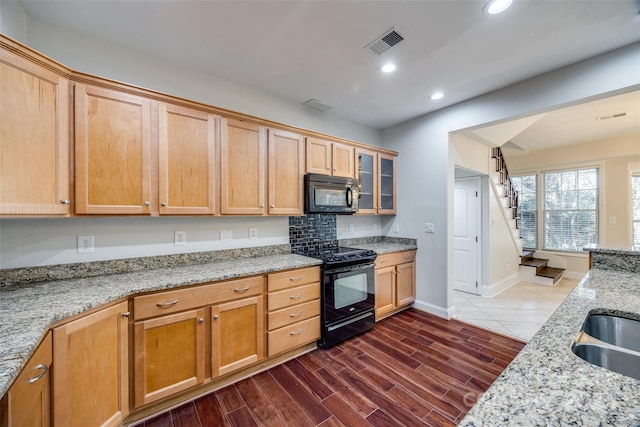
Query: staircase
(507, 195)
(536, 270)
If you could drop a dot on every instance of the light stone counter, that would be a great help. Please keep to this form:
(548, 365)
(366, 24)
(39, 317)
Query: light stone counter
(548, 385)
(27, 310)
(380, 245)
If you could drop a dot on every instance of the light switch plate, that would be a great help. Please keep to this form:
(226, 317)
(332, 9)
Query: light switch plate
(180, 238)
(253, 233)
(429, 227)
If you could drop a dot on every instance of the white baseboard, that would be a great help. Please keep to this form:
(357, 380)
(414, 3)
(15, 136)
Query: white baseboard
(434, 309)
(490, 291)
(573, 275)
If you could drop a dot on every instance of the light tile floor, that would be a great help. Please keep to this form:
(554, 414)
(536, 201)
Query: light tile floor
(518, 312)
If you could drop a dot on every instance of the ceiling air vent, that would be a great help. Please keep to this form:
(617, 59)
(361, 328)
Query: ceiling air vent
(317, 105)
(386, 41)
(611, 116)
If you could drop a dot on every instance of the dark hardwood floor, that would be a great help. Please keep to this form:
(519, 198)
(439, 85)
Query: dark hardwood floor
(412, 369)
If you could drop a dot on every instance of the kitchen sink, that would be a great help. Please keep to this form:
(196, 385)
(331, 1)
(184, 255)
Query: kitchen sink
(618, 331)
(611, 342)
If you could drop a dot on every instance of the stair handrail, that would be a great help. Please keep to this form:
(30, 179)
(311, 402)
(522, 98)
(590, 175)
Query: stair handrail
(505, 179)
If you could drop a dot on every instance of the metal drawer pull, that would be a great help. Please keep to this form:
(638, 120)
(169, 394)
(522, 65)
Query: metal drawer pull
(383, 262)
(296, 296)
(296, 332)
(167, 304)
(44, 368)
(295, 279)
(201, 320)
(126, 314)
(298, 314)
(215, 316)
(246, 288)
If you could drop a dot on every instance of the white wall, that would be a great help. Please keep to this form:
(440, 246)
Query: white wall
(426, 190)
(27, 242)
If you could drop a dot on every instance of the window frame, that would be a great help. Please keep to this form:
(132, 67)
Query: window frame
(542, 209)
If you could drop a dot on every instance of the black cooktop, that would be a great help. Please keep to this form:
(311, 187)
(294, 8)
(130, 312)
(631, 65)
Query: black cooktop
(342, 255)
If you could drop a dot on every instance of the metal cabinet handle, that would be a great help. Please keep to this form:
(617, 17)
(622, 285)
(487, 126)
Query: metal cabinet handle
(296, 332)
(272, 206)
(163, 204)
(65, 201)
(147, 203)
(384, 262)
(126, 314)
(216, 317)
(239, 290)
(335, 169)
(407, 257)
(44, 368)
(201, 320)
(296, 296)
(262, 206)
(298, 314)
(167, 304)
(295, 279)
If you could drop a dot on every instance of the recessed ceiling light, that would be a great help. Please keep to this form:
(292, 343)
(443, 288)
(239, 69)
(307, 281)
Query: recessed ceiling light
(436, 95)
(497, 6)
(387, 68)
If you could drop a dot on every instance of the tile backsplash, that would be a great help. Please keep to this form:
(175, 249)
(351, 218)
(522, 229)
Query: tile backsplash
(312, 233)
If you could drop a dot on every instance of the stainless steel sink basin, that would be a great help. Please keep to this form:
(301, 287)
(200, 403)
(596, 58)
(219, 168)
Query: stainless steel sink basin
(611, 342)
(619, 331)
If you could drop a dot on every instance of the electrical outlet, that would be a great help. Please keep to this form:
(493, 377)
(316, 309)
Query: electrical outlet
(179, 238)
(396, 227)
(253, 233)
(612, 220)
(429, 227)
(226, 235)
(352, 228)
(85, 244)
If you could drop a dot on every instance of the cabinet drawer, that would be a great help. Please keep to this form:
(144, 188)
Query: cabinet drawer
(293, 296)
(293, 336)
(293, 314)
(288, 279)
(162, 303)
(395, 258)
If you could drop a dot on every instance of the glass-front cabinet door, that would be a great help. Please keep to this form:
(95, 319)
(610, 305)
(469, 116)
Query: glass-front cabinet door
(386, 184)
(367, 163)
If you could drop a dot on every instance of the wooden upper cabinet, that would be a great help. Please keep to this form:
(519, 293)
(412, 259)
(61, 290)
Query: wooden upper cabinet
(242, 168)
(186, 154)
(330, 158)
(377, 178)
(386, 184)
(113, 151)
(286, 173)
(34, 138)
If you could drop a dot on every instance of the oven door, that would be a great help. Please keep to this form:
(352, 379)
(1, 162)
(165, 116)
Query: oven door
(348, 291)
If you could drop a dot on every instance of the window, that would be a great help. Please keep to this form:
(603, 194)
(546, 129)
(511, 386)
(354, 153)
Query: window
(570, 212)
(527, 188)
(635, 208)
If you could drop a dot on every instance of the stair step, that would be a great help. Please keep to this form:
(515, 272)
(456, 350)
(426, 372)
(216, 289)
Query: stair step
(551, 272)
(533, 262)
(526, 254)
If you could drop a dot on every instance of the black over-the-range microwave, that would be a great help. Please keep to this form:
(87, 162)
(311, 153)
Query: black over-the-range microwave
(330, 194)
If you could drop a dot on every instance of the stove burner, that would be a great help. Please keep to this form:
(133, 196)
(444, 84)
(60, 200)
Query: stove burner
(344, 256)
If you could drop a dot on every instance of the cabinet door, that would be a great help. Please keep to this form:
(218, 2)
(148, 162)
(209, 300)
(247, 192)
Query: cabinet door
(29, 403)
(318, 156)
(385, 290)
(113, 143)
(237, 335)
(343, 160)
(169, 355)
(242, 168)
(406, 283)
(34, 139)
(386, 184)
(286, 173)
(186, 155)
(367, 163)
(90, 376)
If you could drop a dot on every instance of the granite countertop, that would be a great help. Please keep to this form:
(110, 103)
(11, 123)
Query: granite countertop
(382, 248)
(548, 385)
(28, 310)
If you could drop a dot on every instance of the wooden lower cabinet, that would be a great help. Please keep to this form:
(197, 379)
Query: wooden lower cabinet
(90, 375)
(28, 401)
(168, 355)
(237, 335)
(395, 282)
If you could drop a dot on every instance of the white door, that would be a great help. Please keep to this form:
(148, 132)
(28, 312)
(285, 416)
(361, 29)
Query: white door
(466, 230)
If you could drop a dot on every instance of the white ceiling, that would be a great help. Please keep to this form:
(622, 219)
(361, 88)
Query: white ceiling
(315, 49)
